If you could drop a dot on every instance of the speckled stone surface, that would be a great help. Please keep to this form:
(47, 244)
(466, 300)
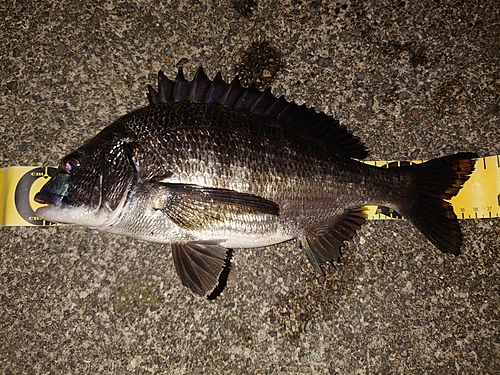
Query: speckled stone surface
(411, 79)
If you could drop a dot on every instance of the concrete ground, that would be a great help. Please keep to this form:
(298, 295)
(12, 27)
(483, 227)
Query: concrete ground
(415, 79)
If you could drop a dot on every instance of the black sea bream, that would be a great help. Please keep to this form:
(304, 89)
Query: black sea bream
(209, 166)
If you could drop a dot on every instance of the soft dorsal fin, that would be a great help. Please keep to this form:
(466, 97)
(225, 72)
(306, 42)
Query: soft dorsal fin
(203, 90)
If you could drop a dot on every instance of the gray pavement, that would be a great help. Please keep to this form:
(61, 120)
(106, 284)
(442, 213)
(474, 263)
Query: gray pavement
(411, 79)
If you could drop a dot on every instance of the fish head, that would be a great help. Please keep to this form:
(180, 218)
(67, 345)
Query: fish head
(92, 183)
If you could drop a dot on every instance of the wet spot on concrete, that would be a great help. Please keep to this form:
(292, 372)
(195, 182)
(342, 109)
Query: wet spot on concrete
(244, 7)
(259, 64)
(135, 294)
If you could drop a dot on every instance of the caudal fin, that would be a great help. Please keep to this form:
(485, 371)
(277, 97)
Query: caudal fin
(438, 180)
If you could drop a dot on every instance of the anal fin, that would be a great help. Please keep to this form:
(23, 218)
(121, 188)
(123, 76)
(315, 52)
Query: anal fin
(325, 247)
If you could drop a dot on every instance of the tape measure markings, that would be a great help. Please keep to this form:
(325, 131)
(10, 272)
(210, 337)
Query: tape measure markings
(479, 198)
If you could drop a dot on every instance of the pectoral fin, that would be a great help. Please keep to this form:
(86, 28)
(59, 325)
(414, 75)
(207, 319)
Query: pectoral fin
(194, 207)
(325, 247)
(204, 267)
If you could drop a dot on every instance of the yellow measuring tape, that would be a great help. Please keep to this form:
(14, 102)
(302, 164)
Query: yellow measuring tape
(478, 199)
(18, 186)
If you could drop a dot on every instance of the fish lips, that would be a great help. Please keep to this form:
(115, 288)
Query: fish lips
(54, 203)
(45, 197)
(52, 194)
(59, 211)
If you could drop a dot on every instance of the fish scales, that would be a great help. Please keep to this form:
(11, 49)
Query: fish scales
(238, 168)
(220, 147)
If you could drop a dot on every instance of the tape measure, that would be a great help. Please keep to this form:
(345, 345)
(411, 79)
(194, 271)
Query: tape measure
(18, 186)
(479, 198)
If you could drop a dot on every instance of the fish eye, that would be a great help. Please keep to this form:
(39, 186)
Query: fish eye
(70, 163)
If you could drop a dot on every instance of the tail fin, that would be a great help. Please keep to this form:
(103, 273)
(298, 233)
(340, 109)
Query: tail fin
(437, 181)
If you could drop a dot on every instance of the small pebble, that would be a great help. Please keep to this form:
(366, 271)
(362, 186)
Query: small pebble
(276, 272)
(324, 61)
(309, 326)
(23, 146)
(415, 154)
(360, 76)
(182, 62)
(305, 369)
(12, 85)
(403, 96)
(448, 149)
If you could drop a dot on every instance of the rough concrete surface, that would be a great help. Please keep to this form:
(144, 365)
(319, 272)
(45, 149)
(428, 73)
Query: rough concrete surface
(415, 79)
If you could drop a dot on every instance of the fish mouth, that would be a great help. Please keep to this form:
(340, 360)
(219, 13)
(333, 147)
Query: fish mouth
(52, 202)
(52, 211)
(56, 209)
(42, 211)
(45, 197)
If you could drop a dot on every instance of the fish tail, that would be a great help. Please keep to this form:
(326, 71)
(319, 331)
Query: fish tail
(437, 181)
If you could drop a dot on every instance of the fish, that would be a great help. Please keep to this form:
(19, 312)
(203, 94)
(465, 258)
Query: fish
(210, 166)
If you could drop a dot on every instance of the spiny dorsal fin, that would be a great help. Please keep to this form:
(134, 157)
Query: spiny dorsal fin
(203, 90)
